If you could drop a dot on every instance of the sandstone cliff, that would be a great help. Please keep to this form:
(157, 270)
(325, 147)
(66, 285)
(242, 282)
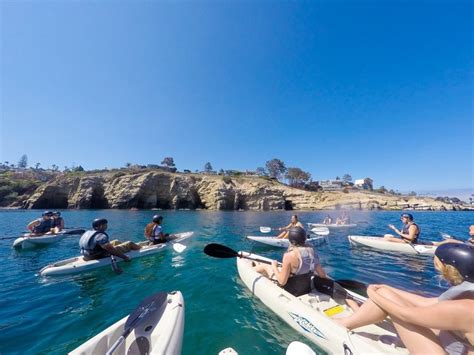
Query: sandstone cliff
(154, 189)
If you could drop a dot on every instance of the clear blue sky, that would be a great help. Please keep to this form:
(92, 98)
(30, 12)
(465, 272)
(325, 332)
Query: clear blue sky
(370, 88)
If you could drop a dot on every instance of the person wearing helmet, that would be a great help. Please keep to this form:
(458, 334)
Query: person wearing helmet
(293, 223)
(96, 244)
(409, 233)
(41, 225)
(299, 263)
(57, 222)
(428, 325)
(154, 231)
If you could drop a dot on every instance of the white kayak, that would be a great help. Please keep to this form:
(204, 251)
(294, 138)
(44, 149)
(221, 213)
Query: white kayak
(312, 315)
(284, 243)
(381, 244)
(333, 225)
(77, 264)
(158, 331)
(28, 241)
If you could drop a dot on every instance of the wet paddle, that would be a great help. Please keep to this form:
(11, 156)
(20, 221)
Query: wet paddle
(144, 309)
(267, 229)
(221, 251)
(117, 269)
(323, 231)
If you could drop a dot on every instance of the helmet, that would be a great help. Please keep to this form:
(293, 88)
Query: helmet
(56, 213)
(459, 255)
(409, 216)
(99, 222)
(297, 235)
(157, 218)
(47, 213)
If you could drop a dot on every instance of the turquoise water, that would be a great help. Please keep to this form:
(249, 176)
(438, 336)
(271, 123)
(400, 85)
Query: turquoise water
(56, 315)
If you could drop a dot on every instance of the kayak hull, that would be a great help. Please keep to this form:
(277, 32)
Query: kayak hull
(305, 314)
(161, 331)
(283, 243)
(385, 245)
(78, 265)
(26, 241)
(332, 226)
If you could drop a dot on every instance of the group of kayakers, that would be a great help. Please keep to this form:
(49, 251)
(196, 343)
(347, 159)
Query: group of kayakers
(49, 223)
(436, 325)
(341, 220)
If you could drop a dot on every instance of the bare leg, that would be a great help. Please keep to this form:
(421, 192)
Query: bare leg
(418, 340)
(283, 235)
(368, 313)
(264, 269)
(391, 238)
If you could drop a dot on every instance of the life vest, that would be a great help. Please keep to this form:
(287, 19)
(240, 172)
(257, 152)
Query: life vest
(406, 230)
(149, 229)
(43, 227)
(57, 222)
(89, 247)
(299, 283)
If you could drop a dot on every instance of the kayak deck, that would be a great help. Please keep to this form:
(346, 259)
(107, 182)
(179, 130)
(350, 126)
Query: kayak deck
(78, 264)
(380, 244)
(159, 332)
(313, 316)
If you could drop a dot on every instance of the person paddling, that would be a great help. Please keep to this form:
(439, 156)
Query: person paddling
(327, 220)
(428, 325)
(293, 223)
(41, 225)
(57, 222)
(299, 263)
(95, 243)
(154, 231)
(410, 231)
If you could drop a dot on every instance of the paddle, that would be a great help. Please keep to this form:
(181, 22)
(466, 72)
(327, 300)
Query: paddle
(117, 269)
(224, 252)
(333, 289)
(267, 229)
(323, 231)
(447, 236)
(144, 309)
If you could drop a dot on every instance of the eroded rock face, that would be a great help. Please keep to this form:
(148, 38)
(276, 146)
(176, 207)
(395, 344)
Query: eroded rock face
(152, 189)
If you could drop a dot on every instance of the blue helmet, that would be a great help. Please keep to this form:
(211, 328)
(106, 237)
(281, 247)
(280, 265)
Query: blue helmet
(408, 216)
(99, 222)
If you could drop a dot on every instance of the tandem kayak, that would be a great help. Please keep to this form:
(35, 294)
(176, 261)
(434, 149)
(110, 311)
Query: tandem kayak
(313, 314)
(381, 244)
(77, 264)
(156, 327)
(284, 243)
(332, 226)
(28, 241)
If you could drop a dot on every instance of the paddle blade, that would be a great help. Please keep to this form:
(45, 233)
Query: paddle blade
(323, 231)
(446, 236)
(178, 247)
(355, 286)
(117, 269)
(220, 251)
(146, 307)
(265, 229)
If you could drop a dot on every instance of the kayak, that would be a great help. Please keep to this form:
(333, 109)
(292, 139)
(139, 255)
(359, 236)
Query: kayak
(313, 314)
(27, 241)
(333, 225)
(283, 243)
(77, 264)
(160, 331)
(381, 244)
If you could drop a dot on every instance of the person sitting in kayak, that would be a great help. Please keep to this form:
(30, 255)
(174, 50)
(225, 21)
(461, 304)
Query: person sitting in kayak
(428, 325)
(344, 219)
(293, 223)
(470, 241)
(57, 222)
(41, 225)
(95, 243)
(299, 263)
(410, 231)
(327, 220)
(154, 231)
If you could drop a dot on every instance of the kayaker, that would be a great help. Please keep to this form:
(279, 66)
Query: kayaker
(469, 241)
(344, 219)
(154, 231)
(41, 225)
(299, 263)
(293, 223)
(428, 325)
(327, 220)
(410, 231)
(95, 243)
(57, 222)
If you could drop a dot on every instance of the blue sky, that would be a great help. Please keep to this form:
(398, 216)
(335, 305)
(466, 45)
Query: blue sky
(370, 88)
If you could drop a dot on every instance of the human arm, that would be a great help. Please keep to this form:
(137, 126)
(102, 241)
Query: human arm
(32, 225)
(407, 237)
(285, 228)
(320, 271)
(446, 315)
(112, 250)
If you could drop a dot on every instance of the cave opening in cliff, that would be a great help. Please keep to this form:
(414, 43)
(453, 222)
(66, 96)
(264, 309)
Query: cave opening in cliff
(288, 205)
(98, 200)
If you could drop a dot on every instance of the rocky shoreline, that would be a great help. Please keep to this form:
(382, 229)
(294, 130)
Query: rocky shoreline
(162, 190)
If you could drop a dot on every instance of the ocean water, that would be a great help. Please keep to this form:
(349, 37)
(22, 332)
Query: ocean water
(55, 315)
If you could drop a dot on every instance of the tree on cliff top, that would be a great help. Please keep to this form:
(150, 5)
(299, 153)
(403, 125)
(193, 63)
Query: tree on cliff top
(23, 162)
(168, 161)
(261, 171)
(369, 182)
(297, 177)
(276, 168)
(208, 167)
(346, 178)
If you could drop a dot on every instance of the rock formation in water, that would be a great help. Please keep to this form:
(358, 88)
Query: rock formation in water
(154, 189)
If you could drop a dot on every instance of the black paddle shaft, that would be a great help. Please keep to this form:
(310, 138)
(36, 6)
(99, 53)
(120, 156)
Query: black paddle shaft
(221, 251)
